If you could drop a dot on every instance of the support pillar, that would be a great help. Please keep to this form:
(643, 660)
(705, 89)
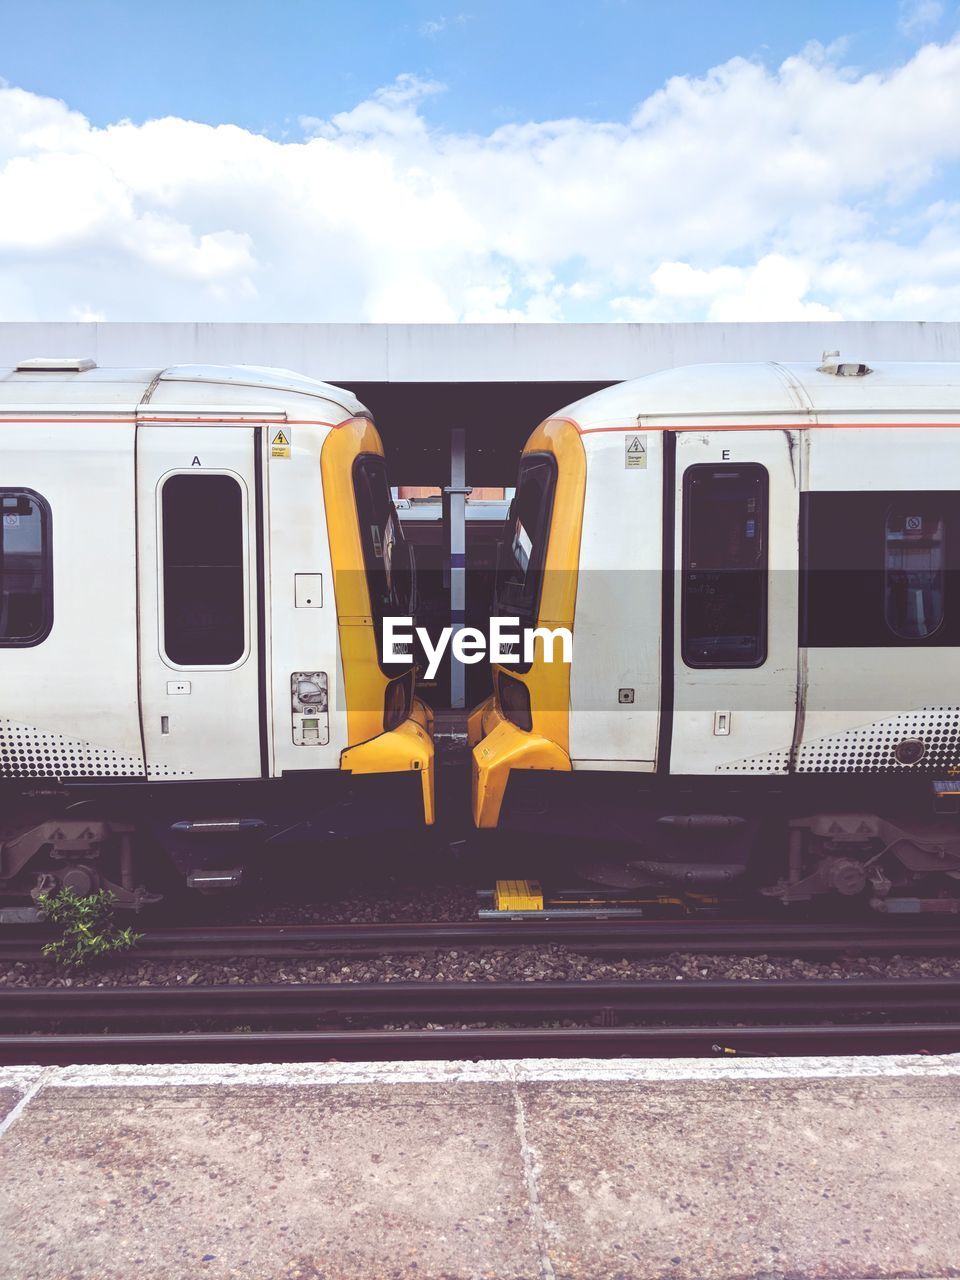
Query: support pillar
(455, 530)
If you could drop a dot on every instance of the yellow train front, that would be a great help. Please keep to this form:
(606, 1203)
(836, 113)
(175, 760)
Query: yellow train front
(760, 569)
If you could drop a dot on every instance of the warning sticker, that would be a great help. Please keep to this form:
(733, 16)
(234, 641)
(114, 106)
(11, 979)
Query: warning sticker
(280, 445)
(636, 452)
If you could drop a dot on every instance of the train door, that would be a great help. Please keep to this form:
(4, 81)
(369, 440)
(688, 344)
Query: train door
(199, 645)
(735, 647)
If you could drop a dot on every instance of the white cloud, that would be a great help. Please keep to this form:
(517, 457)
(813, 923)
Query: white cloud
(805, 192)
(433, 27)
(776, 288)
(390, 113)
(919, 17)
(85, 315)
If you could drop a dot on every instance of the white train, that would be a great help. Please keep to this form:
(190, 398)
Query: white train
(761, 568)
(192, 567)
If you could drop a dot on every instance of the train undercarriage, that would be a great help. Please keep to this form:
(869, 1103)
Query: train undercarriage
(891, 845)
(142, 843)
(886, 845)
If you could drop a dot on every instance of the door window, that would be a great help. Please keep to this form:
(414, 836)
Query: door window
(204, 613)
(724, 580)
(26, 570)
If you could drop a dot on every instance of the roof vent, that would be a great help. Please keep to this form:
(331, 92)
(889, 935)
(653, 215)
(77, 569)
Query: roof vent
(56, 364)
(842, 369)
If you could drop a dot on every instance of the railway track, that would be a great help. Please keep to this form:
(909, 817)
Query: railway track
(597, 937)
(303, 1021)
(60, 1049)
(806, 1002)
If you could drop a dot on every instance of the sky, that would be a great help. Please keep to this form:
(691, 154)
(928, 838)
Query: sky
(482, 160)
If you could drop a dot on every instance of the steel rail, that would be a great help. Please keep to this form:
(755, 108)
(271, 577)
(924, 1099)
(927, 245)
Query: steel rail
(477, 1043)
(598, 937)
(669, 1002)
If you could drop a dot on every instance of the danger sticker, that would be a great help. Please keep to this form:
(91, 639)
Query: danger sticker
(280, 445)
(635, 457)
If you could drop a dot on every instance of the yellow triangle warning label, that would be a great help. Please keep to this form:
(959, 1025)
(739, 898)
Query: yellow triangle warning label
(280, 438)
(280, 445)
(636, 452)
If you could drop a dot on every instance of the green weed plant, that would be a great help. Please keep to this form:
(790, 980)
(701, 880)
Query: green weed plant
(89, 932)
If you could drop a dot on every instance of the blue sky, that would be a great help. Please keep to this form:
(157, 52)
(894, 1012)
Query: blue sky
(262, 65)
(421, 161)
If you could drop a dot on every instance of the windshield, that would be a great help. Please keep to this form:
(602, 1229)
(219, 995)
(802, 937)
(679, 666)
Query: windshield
(386, 557)
(523, 552)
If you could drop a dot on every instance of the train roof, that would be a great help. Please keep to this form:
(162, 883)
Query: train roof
(72, 383)
(833, 389)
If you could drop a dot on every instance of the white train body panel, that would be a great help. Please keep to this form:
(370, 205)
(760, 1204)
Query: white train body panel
(809, 705)
(617, 632)
(51, 721)
(101, 696)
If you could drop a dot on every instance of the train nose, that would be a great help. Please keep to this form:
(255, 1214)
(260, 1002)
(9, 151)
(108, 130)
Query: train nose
(502, 748)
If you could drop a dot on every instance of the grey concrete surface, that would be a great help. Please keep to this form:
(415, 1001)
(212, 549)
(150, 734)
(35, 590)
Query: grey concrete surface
(8, 1100)
(222, 1181)
(772, 1170)
(476, 352)
(752, 1178)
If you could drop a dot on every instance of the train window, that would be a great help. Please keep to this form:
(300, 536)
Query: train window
(524, 549)
(913, 570)
(724, 586)
(387, 559)
(26, 569)
(204, 615)
(880, 569)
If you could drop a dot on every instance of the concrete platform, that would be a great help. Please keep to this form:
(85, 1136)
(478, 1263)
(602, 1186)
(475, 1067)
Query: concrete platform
(760, 1168)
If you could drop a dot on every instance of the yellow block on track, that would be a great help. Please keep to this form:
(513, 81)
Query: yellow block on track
(518, 895)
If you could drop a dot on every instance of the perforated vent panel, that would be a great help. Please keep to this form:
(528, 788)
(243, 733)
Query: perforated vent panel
(772, 762)
(164, 771)
(870, 748)
(27, 752)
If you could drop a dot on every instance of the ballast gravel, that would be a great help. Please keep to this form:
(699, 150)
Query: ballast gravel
(411, 903)
(553, 963)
